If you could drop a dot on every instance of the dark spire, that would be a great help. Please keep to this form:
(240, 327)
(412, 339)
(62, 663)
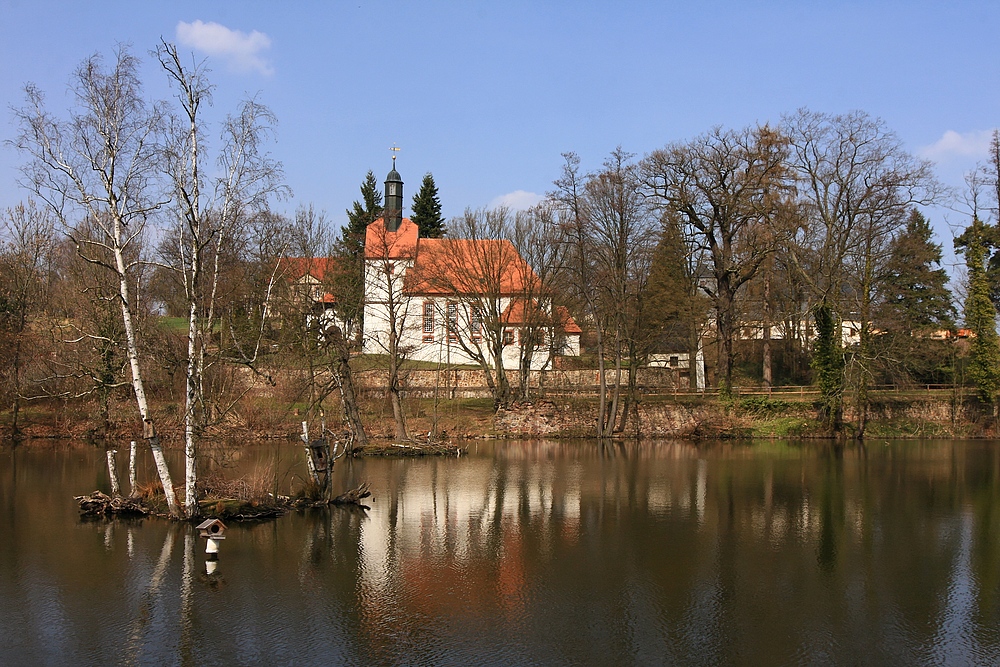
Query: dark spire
(393, 212)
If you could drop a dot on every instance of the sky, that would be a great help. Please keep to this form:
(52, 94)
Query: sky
(488, 95)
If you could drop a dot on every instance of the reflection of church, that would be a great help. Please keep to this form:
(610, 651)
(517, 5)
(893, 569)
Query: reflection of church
(439, 292)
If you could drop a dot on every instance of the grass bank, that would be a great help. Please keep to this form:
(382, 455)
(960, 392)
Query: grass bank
(275, 416)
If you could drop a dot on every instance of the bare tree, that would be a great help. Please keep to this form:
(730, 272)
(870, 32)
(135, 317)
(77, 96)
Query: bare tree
(477, 279)
(538, 238)
(324, 318)
(623, 236)
(569, 196)
(728, 186)
(102, 164)
(87, 334)
(25, 261)
(304, 276)
(856, 185)
(209, 212)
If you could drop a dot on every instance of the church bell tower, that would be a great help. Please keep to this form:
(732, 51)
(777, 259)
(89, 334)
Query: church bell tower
(393, 212)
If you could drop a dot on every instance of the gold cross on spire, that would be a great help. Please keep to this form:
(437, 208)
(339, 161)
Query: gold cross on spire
(395, 149)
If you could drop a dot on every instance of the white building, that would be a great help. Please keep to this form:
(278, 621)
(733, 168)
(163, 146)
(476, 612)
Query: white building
(449, 300)
(850, 331)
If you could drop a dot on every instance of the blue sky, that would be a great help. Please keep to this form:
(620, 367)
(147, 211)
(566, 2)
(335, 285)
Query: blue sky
(486, 95)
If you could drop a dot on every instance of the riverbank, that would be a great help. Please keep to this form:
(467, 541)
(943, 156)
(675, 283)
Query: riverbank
(935, 415)
(755, 417)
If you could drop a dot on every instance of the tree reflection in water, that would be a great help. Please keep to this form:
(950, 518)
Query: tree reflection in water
(534, 552)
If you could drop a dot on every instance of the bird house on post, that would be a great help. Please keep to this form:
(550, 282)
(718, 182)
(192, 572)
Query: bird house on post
(214, 530)
(320, 453)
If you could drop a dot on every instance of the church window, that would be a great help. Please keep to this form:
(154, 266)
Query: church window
(452, 321)
(476, 322)
(428, 322)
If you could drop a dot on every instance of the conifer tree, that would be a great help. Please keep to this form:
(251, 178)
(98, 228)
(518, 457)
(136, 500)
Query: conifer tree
(980, 314)
(427, 209)
(916, 302)
(350, 275)
(674, 303)
(363, 213)
(916, 295)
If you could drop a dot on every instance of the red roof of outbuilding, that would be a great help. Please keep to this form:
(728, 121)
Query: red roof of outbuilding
(566, 321)
(319, 268)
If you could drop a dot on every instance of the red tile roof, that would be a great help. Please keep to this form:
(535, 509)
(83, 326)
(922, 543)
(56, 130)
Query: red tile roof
(298, 267)
(383, 244)
(566, 321)
(464, 266)
(518, 310)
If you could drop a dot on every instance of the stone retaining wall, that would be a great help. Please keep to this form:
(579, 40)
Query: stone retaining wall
(468, 383)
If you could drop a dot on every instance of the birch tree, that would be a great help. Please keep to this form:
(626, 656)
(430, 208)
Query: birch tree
(101, 163)
(209, 210)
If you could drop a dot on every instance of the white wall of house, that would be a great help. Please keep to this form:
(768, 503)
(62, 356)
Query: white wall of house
(680, 360)
(850, 331)
(384, 279)
(435, 345)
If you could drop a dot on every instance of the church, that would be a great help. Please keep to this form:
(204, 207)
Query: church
(456, 301)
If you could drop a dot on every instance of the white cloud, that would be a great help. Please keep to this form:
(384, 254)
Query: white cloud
(955, 145)
(518, 200)
(241, 51)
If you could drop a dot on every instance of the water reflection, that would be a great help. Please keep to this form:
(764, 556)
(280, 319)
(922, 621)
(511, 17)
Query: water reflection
(529, 553)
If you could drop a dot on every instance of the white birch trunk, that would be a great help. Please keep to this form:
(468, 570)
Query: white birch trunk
(133, 491)
(113, 473)
(310, 465)
(148, 431)
(191, 400)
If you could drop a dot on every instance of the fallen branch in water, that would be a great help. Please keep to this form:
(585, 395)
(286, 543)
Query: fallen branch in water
(410, 449)
(353, 497)
(101, 504)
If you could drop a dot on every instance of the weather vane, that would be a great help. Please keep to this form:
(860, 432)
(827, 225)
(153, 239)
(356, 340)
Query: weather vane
(395, 149)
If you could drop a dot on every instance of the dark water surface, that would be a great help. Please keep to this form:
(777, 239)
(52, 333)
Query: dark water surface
(527, 553)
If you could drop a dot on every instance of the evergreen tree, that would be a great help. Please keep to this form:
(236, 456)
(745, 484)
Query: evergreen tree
(427, 209)
(350, 274)
(980, 314)
(363, 213)
(828, 363)
(916, 301)
(674, 305)
(916, 295)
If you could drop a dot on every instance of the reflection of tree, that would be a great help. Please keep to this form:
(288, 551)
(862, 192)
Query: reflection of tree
(151, 596)
(557, 550)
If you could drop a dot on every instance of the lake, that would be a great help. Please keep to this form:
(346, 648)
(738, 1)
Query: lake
(525, 553)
